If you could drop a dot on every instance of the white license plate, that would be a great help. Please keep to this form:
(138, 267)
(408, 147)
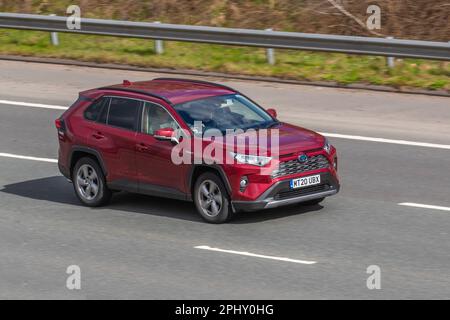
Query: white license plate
(305, 182)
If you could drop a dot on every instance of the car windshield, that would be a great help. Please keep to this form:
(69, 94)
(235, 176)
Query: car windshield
(224, 113)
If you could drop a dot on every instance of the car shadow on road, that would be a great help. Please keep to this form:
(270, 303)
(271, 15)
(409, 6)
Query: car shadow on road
(276, 213)
(57, 189)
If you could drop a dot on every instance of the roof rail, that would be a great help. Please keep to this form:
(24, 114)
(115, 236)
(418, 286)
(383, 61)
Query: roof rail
(147, 93)
(198, 81)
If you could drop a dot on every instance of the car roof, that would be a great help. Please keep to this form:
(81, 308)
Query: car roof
(173, 90)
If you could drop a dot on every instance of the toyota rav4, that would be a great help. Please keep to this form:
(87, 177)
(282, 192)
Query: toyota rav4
(151, 138)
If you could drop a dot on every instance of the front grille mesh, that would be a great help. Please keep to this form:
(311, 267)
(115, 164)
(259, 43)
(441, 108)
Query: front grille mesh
(294, 166)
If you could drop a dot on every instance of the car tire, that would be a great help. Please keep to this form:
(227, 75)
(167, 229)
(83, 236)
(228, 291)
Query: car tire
(313, 202)
(211, 199)
(89, 183)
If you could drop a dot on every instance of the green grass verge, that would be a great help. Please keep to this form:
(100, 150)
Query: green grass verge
(299, 65)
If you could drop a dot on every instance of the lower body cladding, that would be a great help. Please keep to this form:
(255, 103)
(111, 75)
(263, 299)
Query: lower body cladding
(281, 194)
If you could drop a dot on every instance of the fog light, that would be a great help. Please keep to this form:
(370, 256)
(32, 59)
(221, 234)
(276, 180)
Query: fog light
(244, 183)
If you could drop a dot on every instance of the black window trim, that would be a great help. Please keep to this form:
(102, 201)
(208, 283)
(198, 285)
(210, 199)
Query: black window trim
(107, 111)
(140, 117)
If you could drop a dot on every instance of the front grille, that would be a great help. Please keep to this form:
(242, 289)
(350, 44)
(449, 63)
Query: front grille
(294, 166)
(301, 192)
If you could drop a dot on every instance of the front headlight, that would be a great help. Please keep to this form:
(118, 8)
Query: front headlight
(327, 146)
(252, 160)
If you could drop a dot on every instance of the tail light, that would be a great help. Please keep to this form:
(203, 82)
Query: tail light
(61, 127)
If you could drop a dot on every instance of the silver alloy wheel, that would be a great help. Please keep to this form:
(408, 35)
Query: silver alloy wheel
(210, 198)
(87, 181)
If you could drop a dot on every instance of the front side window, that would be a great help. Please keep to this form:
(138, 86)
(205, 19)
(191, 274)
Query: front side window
(224, 112)
(155, 118)
(124, 113)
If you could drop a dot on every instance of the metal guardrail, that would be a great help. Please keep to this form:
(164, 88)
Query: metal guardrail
(227, 36)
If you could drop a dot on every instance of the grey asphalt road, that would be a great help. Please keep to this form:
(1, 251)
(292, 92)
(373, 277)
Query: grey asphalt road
(143, 247)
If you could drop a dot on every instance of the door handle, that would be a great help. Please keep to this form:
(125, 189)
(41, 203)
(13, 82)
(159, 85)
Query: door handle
(142, 147)
(98, 135)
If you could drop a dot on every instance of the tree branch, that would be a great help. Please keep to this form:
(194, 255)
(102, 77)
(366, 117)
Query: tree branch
(348, 14)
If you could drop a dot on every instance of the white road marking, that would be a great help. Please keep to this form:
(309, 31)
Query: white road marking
(391, 141)
(16, 156)
(255, 255)
(332, 135)
(424, 206)
(32, 105)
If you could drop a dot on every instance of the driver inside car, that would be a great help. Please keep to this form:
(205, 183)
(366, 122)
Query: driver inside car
(160, 119)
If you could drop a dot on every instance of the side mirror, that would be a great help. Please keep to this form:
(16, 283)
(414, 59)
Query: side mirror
(166, 134)
(272, 112)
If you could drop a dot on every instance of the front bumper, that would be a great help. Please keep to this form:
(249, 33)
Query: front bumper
(280, 194)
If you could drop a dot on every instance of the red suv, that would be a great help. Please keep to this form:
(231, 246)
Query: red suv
(131, 137)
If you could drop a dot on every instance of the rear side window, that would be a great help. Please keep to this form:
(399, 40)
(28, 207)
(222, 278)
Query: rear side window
(93, 111)
(124, 113)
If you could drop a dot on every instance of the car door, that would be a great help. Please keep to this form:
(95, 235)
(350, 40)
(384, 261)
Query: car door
(157, 173)
(115, 138)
